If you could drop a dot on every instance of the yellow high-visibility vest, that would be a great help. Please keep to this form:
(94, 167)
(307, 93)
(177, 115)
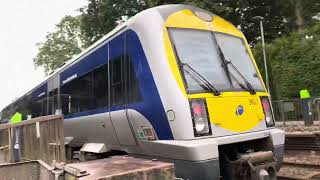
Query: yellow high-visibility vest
(304, 94)
(17, 117)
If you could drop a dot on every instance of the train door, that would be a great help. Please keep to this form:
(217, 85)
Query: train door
(119, 97)
(85, 98)
(102, 124)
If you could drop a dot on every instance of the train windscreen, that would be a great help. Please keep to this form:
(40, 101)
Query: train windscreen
(208, 55)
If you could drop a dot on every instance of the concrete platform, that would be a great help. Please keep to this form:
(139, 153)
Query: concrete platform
(122, 168)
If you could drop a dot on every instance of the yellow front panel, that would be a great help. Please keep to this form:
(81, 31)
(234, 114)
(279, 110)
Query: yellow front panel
(221, 109)
(222, 112)
(223, 26)
(186, 19)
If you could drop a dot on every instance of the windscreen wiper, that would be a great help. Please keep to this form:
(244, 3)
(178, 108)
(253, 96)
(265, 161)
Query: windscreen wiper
(250, 88)
(203, 82)
(223, 59)
(225, 64)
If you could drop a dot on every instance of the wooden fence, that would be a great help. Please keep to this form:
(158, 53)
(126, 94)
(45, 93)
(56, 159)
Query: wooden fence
(40, 138)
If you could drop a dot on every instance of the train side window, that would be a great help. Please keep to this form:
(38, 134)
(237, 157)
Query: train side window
(39, 107)
(27, 106)
(87, 92)
(6, 114)
(100, 86)
(133, 88)
(52, 102)
(117, 81)
(124, 83)
(24, 106)
(77, 95)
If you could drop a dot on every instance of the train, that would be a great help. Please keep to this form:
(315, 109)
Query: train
(175, 83)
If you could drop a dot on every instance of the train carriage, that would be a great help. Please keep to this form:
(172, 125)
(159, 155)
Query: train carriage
(174, 82)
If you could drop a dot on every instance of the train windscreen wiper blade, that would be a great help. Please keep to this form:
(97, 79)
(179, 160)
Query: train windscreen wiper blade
(225, 64)
(197, 77)
(250, 88)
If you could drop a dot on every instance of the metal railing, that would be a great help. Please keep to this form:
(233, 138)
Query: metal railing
(296, 110)
(40, 138)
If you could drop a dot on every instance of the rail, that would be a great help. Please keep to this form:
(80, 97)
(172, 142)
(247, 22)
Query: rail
(302, 142)
(295, 171)
(40, 138)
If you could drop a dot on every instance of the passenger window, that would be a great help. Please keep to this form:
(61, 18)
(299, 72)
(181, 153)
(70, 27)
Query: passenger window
(100, 86)
(91, 90)
(87, 92)
(117, 81)
(52, 102)
(77, 95)
(124, 83)
(133, 89)
(39, 107)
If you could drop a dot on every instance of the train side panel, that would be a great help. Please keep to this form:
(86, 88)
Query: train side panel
(147, 112)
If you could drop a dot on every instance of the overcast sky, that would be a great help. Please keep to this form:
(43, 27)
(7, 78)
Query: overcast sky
(22, 25)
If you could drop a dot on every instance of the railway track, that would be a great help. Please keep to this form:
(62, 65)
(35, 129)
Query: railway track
(302, 142)
(299, 147)
(303, 165)
(291, 171)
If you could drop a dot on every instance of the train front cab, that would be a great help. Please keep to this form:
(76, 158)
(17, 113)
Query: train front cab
(230, 108)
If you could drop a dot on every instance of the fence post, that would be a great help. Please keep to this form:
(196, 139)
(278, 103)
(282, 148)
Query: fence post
(282, 112)
(11, 144)
(316, 103)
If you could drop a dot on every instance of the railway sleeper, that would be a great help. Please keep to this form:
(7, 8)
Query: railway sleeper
(252, 166)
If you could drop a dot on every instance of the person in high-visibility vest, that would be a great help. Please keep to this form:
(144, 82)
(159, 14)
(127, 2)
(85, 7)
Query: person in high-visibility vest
(307, 114)
(304, 94)
(17, 117)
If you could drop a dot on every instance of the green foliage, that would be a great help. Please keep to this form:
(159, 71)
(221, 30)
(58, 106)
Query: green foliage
(60, 45)
(101, 16)
(299, 13)
(293, 63)
(241, 13)
(280, 17)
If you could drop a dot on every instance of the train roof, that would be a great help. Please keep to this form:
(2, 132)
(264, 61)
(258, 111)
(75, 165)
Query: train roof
(163, 10)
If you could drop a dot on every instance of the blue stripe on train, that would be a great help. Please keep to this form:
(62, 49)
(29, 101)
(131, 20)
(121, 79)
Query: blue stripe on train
(151, 107)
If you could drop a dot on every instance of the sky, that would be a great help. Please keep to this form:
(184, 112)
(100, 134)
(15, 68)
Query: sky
(22, 25)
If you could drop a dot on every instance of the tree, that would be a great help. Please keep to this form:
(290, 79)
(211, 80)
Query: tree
(101, 16)
(299, 14)
(280, 17)
(294, 62)
(240, 13)
(60, 45)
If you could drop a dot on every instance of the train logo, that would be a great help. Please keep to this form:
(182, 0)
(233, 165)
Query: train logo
(239, 110)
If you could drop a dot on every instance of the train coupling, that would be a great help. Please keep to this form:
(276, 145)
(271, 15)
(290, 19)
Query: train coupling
(254, 166)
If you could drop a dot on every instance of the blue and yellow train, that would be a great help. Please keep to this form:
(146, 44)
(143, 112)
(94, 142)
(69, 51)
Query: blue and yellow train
(174, 82)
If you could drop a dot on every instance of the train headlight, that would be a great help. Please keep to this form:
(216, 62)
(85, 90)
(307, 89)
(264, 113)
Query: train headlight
(200, 124)
(267, 111)
(200, 119)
